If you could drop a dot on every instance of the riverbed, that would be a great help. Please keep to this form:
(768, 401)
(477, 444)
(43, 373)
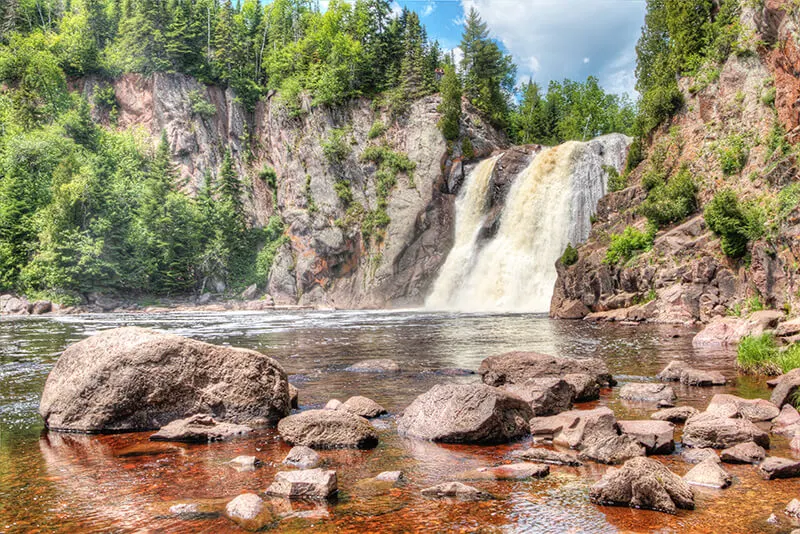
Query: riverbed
(123, 483)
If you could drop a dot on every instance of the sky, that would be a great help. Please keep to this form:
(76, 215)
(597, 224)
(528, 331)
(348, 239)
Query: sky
(549, 39)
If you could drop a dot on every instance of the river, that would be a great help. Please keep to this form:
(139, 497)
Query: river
(123, 483)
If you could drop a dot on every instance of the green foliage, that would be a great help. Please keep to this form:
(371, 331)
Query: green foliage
(672, 201)
(760, 355)
(616, 182)
(776, 140)
(768, 98)
(570, 255)
(377, 129)
(450, 108)
(105, 100)
(734, 222)
(311, 205)
(269, 176)
(626, 245)
(733, 154)
(200, 105)
(343, 191)
(274, 239)
(336, 147)
(467, 150)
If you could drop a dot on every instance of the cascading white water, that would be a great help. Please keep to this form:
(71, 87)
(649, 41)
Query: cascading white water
(470, 214)
(548, 206)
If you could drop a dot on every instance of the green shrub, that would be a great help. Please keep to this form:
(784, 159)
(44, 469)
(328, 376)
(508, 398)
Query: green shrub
(658, 104)
(383, 156)
(343, 191)
(671, 202)
(733, 154)
(616, 182)
(274, 238)
(626, 245)
(635, 155)
(776, 140)
(269, 177)
(335, 147)
(467, 150)
(788, 200)
(736, 224)
(105, 99)
(768, 98)
(200, 105)
(570, 255)
(310, 203)
(758, 355)
(377, 129)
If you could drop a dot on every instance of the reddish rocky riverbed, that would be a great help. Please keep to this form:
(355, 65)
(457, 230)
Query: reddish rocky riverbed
(124, 482)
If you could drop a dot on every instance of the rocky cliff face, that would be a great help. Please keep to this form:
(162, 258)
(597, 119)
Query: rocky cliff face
(685, 277)
(327, 260)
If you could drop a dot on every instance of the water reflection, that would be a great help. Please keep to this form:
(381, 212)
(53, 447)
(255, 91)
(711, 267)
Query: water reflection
(124, 483)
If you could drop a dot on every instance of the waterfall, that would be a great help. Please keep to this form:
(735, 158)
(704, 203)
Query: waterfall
(548, 206)
(470, 214)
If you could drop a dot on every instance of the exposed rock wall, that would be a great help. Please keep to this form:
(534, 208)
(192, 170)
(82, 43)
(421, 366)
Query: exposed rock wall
(686, 278)
(327, 262)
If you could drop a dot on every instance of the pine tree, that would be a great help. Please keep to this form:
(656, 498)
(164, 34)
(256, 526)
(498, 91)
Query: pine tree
(412, 66)
(230, 187)
(450, 108)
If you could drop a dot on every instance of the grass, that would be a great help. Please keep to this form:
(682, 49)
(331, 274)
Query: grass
(760, 355)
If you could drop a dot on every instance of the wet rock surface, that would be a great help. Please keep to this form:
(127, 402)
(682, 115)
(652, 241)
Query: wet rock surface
(655, 436)
(786, 388)
(546, 396)
(456, 490)
(303, 457)
(518, 471)
(743, 453)
(304, 484)
(375, 366)
(135, 379)
(647, 392)
(201, 428)
(328, 429)
(362, 406)
(725, 405)
(473, 413)
(679, 414)
(250, 512)
(546, 456)
(711, 430)
(708, 473)
(775, 467)
(643, 483)
(695, 456)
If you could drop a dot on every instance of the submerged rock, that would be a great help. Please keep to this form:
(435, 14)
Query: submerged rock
(455, 490)
(774, 467)
(672, 372)
(710, 430)
(375, 366)
(363, 407)
(678, 414)
(643, 483)
(469, 413)
(519, 367)
(708, 473)
(304, 484)
(647, 392)
(302, 457)
(546, 396)
(743, 453)
(793, 508)
(519, 471)
(245, 463)
(130, 379)
(200, 428)
(546, 456)
(612, 450)
(250, 512)
(695, 456)
(655, 436)
(328, 429)
(697, 377)
(333, 404)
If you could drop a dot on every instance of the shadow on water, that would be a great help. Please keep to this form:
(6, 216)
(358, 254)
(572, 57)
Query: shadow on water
(68, 482)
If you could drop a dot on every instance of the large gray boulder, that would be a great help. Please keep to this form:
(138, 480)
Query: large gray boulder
(643, 483)
(131, 379)
(250, 512)
(546, 395)
(755, 410)
(710, 430)
(786, 388)
(679, 414)
(469, 413)
(647, 392)
(304, 484)
(708, 473)
(655, 436)
(328, 429)
(743, 453)
(774, 467)
(362, 406)
(519, 367)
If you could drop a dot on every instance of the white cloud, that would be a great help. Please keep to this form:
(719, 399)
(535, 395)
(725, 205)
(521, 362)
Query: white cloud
(428, 9)
(556, 39)
(397, 9)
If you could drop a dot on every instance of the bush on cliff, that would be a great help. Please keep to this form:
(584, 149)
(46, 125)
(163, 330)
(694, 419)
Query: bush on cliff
(626, 245)
(734, 222)
(570, 256)
(671, 202)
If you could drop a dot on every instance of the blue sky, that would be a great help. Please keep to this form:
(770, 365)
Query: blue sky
(550, 39)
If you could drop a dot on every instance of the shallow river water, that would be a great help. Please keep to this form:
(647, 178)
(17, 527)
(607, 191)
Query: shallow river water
(122, 483)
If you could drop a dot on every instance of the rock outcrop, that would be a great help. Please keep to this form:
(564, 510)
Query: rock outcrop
(718, 432)
(473, 413)
(328, 429)
(131, 379)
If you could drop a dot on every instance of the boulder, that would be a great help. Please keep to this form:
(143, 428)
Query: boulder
(695, 456)
(721, 331)
(17, 306)
(546, 395)
(362, 406)
(643, 483)
(328, 429)
(697, 377)
(655, 436)
(546, 456)
(708, 473)
(787, 423)
(774, 467)
(793, 508)
(678, 414)
(294, 397)
(250, 293)
(303, 457)
(41, 307)
(635, 391)
(375, 366)
(455, 490)
(743, 453)
(395, 477)
(250, 512)
(200, 428)
(333, 404)
(710, 430)
(576, 428)
(245, 463)
(755, 410)
(785, 390)
(612, 450)
(130, 379)
(469, 413)
(519, 367)
(304, 484)
(518, 471)
(788, 328)
(672, 372)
